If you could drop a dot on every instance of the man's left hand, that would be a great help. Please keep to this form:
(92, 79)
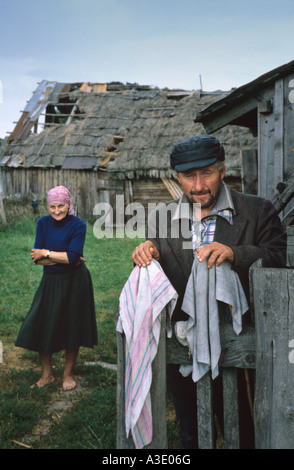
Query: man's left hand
(217, 253)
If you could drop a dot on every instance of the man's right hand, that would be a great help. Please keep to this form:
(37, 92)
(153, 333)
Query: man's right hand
(143, 254)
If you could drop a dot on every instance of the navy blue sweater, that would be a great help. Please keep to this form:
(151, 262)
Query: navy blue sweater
(67, 235)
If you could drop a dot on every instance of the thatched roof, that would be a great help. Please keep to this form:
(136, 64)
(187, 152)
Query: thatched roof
(128, 130)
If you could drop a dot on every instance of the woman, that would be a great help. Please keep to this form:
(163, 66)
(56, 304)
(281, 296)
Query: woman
(62, 315)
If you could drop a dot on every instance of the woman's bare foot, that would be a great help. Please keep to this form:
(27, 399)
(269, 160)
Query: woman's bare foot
(68, 384)
(44, 381)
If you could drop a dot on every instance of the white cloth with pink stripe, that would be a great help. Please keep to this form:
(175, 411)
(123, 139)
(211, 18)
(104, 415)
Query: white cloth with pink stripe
(145, 295)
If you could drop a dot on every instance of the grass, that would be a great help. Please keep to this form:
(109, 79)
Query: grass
(90, 421)
(21, 408)
(109, 262)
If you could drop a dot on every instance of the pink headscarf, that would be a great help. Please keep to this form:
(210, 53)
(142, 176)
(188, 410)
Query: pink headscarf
(60, 195)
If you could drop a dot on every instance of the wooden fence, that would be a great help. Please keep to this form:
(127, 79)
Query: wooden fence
(263, 347)
(267, 346)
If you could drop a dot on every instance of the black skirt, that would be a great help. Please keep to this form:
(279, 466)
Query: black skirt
(62, 315)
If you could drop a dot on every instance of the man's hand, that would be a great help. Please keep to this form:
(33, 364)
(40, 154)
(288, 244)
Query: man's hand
(217, 253)
(143, 254)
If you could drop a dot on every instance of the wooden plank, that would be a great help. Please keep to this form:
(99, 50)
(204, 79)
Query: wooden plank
(278, 174)
(2, 211)
(290, 246)
(249, 171)
(158, 392)
(237, 350)
(122, 441)
(288, 218)
(228, 115)
(231, 409)
(99, 87)
(288, 128)
(274, 400)
(173, 187)
(266, 143)
(84, 86)
(282, 199)
(205, 413)
(17, 131)
(158, 395)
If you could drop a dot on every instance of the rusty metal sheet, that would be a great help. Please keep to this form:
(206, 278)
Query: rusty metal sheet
(18, 130)
(79, 163)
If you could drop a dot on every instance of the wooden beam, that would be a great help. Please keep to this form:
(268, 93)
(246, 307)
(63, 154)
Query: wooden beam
(237, 350)
(205, 416)
(224, 116)
(2, 211)
(280, 200)
(274, 406)
(231, 408)
(249, 171)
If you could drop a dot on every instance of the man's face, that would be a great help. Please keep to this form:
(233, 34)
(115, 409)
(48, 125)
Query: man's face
(202, 186)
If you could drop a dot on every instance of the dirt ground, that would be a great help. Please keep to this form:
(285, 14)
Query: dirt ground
(61, 401)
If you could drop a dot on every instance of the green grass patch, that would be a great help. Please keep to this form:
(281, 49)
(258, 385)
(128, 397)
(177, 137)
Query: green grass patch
(90, 423)
(21, 407)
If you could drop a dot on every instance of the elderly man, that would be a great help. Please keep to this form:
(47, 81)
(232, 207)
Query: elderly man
(234, 227)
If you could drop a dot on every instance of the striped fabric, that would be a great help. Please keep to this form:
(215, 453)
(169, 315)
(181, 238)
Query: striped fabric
(146, 293)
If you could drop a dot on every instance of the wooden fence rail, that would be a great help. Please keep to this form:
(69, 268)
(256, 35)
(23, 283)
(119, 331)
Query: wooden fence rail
(263, 347)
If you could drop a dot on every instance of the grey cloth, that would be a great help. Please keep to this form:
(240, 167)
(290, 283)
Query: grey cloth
(205, 287)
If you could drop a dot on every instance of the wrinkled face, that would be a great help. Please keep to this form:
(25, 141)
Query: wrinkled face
(202, 186)
(58, 211)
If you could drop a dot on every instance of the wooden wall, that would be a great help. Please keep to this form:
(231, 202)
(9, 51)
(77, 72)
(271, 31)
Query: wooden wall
(275, 139)
(87, 187)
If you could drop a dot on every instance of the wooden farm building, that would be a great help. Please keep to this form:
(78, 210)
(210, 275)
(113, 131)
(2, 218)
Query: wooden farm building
(265, 106)
(102, 140)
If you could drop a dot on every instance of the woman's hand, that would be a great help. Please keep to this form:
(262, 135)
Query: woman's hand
(38, 255)
(80, 260)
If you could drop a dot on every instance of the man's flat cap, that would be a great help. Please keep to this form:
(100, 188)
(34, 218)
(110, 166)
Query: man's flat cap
(196, 152)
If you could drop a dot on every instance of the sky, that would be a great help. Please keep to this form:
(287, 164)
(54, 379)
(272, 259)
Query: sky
(220, 44)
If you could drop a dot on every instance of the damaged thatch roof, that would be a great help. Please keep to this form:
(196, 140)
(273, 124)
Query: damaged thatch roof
(128, 129)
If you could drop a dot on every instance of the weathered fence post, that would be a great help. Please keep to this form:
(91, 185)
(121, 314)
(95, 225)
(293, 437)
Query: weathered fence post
(204, 413)
(273, 291)
(158, 394)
